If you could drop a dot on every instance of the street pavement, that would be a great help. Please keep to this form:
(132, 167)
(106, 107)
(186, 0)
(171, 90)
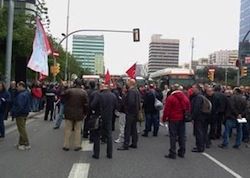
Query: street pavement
(46, 159)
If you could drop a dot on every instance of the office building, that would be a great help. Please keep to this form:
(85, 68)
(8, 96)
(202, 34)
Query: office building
(223, 58)
(89, 52)
(163, 53)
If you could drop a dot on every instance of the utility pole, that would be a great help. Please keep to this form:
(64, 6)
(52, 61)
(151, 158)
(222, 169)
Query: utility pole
(2, 3)
(192, 52)
(67, 32)
(9, 43)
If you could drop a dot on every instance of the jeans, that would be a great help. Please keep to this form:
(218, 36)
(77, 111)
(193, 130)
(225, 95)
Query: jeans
(2, 128)
(35, 104)
(177, 131)
(152, 119)
(229, 125)
(245, 131)
(60, 116)
(21, 126)
(121, 126)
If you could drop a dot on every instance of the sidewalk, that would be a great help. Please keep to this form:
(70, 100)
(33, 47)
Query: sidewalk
(9, 122)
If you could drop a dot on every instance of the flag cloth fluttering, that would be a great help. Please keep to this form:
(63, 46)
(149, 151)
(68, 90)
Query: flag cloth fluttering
(107, 77)
(41, 49)
(132, 71)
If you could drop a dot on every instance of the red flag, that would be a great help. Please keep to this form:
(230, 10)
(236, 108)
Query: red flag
(107, 77)
(131, 71)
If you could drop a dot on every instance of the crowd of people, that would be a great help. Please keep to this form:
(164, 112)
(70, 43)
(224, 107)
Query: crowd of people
(91, 111)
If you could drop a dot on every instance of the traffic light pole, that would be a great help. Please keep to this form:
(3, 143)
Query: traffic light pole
(9, 43)
(135, 32)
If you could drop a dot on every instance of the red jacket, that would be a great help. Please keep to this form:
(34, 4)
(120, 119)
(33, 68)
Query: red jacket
(175, 105)
(37, 92)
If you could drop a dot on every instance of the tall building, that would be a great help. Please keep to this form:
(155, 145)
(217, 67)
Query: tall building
(244, 47)
(163, 53)
(89, 51)
(224, 57)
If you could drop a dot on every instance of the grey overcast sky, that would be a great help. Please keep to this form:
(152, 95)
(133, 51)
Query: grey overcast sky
(213, 23)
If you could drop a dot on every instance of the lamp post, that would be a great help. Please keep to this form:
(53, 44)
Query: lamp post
(9, 43)
(67, 31)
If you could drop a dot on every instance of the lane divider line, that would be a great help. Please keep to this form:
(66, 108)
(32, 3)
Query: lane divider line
(233, 173)
(79, 170)
(86, 146)
(14, 127)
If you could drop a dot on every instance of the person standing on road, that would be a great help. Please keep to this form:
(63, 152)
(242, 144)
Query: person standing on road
(13, 92)
(175, 106)
(50, 100)
(235, 109)
(132, 108)
(20, 111)
(60, 115)
(104, 103)
(76, 103)
(199, 118)
(4, 99)
(152, 115)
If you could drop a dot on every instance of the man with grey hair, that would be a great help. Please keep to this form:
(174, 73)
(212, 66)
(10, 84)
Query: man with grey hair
(132, 106)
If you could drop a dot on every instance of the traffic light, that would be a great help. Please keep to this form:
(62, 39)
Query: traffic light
(243, 71)
(55, 69)
(210, 74)
(136, 34)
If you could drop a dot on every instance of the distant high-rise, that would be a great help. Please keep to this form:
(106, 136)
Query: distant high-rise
(244, 48)
(223, 58)
(163, 53)
(89, 51)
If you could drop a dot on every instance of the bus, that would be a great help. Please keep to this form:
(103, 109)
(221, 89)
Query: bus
(171, 76)
(88, 78)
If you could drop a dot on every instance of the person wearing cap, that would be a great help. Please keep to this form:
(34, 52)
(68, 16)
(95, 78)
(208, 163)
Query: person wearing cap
(104, 103)
(76, 104)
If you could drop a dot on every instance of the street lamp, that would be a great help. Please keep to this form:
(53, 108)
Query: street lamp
(67, 32)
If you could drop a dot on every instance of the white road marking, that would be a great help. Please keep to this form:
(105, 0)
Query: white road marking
(86, 146)
(236, 175)
(13, 128)
(79, 170)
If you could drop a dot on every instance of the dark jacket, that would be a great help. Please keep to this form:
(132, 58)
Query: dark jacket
(76, 104)
(239, 104)
(21, 104)
(149, 101)
(196, 106)
(219, 104)
(132, 102)
(4, 100)
(106, 103)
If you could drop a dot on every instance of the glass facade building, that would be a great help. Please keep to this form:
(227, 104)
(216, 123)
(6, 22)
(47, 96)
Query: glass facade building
(89, 51)
(244, 46)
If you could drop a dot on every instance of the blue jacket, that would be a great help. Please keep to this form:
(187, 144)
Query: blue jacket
(21, 104)
(4, 99)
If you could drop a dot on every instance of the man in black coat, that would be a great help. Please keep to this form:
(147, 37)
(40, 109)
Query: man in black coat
(219, 106)
(199, 119)
(132, 106)
(104, 103)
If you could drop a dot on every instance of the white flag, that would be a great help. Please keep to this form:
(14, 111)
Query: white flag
(41, 49)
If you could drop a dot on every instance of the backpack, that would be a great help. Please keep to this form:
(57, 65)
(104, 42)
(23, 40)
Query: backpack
(206, 105)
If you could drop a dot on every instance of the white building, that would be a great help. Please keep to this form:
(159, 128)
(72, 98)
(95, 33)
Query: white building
(163, 53)
(224, 57)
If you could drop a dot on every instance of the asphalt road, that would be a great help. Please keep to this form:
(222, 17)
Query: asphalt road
(46, 159)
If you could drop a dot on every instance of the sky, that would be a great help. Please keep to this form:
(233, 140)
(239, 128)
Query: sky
(214, 24)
